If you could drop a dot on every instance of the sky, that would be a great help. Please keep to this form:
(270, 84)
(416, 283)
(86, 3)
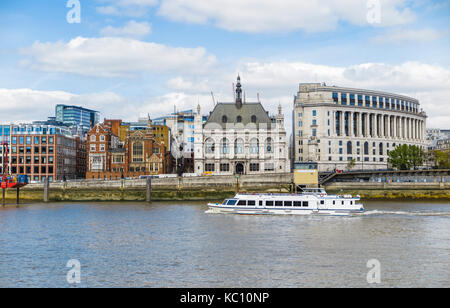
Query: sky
(130, 58)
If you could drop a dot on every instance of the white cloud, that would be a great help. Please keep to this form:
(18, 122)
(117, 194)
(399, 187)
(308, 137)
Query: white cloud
(133, 8)
(278, 82)
(256, 16)
(401, 36)
(27, 105)
(112, 57)
(131, 29)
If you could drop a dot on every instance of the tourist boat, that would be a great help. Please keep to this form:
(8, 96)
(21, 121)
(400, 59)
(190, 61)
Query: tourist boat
(312, 201)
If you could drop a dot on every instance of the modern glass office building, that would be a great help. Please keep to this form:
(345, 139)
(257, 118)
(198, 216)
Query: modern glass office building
(77, 116)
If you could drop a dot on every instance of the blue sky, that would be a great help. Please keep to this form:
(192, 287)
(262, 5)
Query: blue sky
(132, 57)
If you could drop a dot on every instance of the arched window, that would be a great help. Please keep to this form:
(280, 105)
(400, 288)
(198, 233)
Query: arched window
(253, 119)
(269, 145)
(366, 148)
(210, 146)
(349, 148)
(254, 146)
(239, 146)
(224, 119)
(224, 146)
(239, 119)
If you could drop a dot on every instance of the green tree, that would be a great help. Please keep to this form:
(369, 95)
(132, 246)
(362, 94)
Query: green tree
(351, 164)
(405, 157)
(442, 159)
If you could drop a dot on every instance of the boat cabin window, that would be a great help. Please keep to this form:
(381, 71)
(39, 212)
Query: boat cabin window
(287, 203)
(298, 203)
(232, 202)
(278, 203)
(351, 202)
(260, 203)
(334, 202)
(251, 203)
(269, 203)
(305, 204)
(322, 202)
(342, 202)
(242, 202)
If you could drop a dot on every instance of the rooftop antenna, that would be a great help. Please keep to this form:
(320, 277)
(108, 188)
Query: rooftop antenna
(257, 94)
(234, 92)
(214, 100)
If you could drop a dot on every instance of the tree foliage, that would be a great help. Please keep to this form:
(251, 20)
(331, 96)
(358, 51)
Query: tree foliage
(441, 159)
(406, 157)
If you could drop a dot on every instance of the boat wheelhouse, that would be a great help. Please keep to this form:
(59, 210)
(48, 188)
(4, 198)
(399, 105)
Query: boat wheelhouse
(313, 201)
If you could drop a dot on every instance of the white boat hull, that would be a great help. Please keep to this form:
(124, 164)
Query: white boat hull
(219, 209)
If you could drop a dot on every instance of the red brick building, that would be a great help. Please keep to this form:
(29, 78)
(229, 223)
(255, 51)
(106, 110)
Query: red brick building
(140, 154)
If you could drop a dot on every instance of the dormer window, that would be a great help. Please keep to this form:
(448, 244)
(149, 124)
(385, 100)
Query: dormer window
(224, 119)
(253, 119)
(239, 119)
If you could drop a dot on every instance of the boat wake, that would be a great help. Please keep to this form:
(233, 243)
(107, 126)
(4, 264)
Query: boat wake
(403, 213)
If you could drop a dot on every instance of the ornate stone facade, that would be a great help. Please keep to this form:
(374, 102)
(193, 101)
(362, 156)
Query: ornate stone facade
(240, 138)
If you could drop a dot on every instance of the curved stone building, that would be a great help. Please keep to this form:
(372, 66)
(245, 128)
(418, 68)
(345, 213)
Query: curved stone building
(333, 126)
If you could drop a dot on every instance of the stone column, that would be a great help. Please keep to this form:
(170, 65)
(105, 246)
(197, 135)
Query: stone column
(394, 127)
(350, 122)
(375, 125)
(388, 127)
(366, 124)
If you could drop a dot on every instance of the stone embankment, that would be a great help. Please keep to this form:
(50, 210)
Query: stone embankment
(217, 188)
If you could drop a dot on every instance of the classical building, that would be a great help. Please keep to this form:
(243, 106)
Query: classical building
(335, 125)
(140, 154)
(240, 138)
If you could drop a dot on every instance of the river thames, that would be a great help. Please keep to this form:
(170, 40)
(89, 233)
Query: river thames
(178, 245)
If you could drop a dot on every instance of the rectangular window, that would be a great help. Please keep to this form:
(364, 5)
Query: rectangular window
(344, 98)
(224, 167)
(278, 203)
(305, 203)
(297, 203)
(269, 203)
(242, 202)
(335, 98)
(287, 203)
(254, 167)
(209, 167)
(314, 113)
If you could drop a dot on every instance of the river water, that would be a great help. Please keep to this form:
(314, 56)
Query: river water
(178, 245)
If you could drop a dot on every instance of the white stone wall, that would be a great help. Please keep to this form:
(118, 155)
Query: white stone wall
(278, 156)
(389, 129)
